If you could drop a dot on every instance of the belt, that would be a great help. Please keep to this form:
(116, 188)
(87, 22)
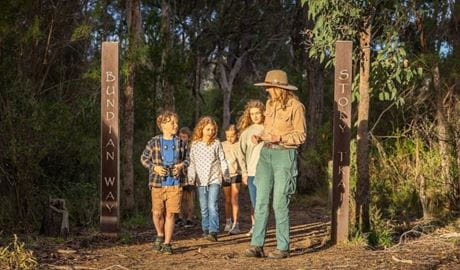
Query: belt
(274, 146)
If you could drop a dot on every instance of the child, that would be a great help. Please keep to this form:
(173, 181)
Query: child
(188, 192)
(166, 157)
(232, 188)
(207, 168)
(249, 124)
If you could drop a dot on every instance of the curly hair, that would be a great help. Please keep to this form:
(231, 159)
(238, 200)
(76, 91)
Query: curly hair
(198, 130)
(165, 117)
(245, 119)
(284, 97)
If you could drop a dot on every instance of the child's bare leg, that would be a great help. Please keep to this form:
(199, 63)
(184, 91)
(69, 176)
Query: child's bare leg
(159, 222)
(235, 189)
(228, 202)
(169, 227)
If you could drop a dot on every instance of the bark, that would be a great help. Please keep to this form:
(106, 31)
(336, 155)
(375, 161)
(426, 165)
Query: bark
(133, 14)
(443, 133)
(362, 187)
(167, 86)
(226, 79)
(197, 87)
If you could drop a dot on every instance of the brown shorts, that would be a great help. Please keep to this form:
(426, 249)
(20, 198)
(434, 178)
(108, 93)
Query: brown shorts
(167, 198)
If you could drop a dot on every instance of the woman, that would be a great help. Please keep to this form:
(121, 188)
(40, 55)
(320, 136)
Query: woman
(276, 172)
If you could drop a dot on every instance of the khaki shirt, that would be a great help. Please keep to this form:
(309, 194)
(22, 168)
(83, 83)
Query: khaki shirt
(289, 123)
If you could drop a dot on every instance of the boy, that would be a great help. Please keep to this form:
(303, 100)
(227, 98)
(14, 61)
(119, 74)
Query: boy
(165, 156)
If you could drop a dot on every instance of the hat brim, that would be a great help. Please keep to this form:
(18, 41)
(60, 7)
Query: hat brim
(287, 87)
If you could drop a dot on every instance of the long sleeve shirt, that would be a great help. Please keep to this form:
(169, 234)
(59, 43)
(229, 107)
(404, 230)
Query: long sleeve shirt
(151, 157)
(248, 152)
(289, 123)
(230, 151)
(207, 163)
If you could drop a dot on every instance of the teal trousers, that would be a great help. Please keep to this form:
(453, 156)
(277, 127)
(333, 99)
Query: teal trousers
(276, 174)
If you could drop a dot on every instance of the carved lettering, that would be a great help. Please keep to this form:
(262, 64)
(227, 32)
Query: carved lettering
(110, 142)
(341, 155)
(344, 74)
(342, 128)
(110, 129)
(110, 195)
(109, 116)
(110, 103)
(342, 87)
(108, 92)
(109, 181)
(342, 116)
(341, 170)
(110, 77)
(109, 155)
(343, 101)
(109, 207)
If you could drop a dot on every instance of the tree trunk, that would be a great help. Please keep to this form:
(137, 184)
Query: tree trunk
(362, 186)
(443, 136)
(168, 88)
(197, 88)
(133, 15)
(226, 80)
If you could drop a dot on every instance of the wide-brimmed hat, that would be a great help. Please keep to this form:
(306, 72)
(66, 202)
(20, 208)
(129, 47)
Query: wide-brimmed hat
(277, 78)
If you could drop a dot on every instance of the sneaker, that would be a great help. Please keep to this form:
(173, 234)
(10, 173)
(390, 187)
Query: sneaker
(212, 237)
(228, 225)
(235, 229)
(253, 251)
(166, 249)
(250, 231)
(278, 254)
(189, 224)
(158, 243)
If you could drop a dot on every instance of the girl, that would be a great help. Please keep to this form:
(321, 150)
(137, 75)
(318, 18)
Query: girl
(232, 188)
(207, 168)
(249, 124)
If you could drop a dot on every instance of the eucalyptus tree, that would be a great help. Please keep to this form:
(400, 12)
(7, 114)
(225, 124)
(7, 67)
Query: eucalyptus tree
(375, 26)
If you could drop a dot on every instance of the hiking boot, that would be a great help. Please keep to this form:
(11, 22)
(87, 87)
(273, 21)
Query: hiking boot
(250, 231)
(189, 224)
(254, 251)
(278, 254)
(158, 243)
(235, 229)
(211, 237)
(228, 225)
(166, 249)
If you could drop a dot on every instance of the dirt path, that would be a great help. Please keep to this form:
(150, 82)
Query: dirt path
(309, 250)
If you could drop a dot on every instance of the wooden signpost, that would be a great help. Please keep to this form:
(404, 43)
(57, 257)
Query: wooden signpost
(341, 148)
(110, 141)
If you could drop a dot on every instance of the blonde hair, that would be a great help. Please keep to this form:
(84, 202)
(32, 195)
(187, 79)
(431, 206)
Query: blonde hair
(198, 130)
(245, 119)
(165, 117)
(285, 96)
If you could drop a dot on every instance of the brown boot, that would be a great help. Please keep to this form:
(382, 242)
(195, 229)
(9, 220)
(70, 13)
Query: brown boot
(254, 251)
(278, 254)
